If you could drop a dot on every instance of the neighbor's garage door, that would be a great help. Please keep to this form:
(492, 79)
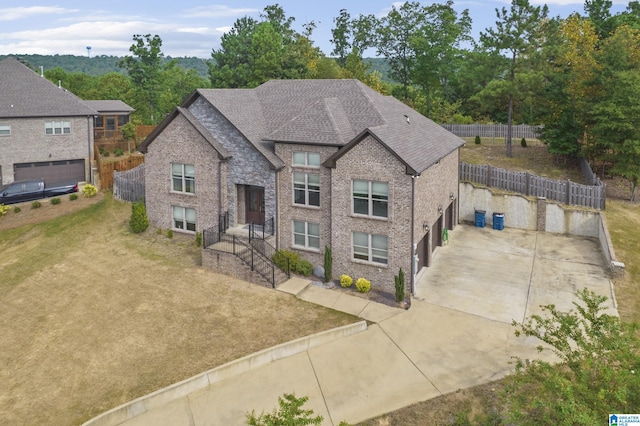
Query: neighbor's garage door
(51, 171)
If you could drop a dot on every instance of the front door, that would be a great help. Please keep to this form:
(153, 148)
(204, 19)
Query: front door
(254, 202)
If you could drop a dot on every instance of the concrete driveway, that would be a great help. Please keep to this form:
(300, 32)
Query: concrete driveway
(507, 275)
(457, 334)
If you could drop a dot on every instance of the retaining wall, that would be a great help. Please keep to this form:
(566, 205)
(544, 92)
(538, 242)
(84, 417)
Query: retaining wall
(538, 214)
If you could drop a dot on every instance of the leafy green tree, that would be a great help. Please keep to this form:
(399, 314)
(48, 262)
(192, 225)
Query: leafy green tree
(144, 67)
(289, 413)
(437, 47)
(394, 41)
(518, 36)
(598, 372)
(253, 52)
(341, 35)
(616, 115)
(599, 12)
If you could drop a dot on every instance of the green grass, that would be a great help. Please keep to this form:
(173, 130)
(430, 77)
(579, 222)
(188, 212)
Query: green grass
(623, 220)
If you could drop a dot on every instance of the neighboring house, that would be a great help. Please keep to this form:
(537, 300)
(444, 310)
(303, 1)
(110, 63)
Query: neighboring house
(46, 132)
(111, 116)
(332, 162)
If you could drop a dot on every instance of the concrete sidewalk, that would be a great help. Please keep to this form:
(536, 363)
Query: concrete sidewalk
(457, 334)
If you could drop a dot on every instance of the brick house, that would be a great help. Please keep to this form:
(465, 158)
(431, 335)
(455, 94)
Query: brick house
(331, 162)
(45, 131)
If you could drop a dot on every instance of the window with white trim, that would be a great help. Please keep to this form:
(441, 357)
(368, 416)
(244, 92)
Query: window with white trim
(184, 218)
(306, 189)
(370, 198)
(57, 128)
(306, 235)
(183, 177)
(370, 247)
(306, 159)
(5, 130)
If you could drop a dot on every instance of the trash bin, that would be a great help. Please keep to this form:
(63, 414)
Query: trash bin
(498, 221)
(480, 218)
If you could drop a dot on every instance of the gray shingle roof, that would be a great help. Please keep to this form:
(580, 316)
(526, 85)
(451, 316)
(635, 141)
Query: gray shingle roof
(23, 93)
(109, 106)
(330, 112)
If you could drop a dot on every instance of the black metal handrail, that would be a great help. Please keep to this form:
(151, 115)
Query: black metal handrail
(242, 249)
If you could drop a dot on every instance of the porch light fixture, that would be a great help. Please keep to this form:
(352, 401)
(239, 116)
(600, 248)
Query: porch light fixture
(440, 209)
(451, 197)
(425, 226)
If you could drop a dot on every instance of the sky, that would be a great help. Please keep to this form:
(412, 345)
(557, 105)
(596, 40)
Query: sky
(193, 27)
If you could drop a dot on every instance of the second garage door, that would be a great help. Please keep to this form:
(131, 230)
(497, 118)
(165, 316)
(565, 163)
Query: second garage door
(51, 171)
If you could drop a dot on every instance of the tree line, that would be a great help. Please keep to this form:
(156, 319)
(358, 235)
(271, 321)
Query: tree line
(578, 77)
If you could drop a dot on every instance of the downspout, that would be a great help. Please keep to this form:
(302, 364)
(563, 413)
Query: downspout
(413, 245)
(276, 218)
(219, 188)
(88, 167)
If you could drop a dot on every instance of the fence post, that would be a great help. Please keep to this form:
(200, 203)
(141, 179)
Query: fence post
(488, 175)
(251, 258)
(568, 191)
(528, 183)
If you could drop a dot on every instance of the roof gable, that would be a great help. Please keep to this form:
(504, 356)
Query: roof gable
(27, 94)
(223, 154)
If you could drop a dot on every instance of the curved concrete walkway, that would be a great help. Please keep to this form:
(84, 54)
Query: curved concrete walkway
(457, 334)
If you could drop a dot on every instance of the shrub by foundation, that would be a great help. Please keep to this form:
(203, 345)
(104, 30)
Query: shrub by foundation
(346, 281)
(363, 285)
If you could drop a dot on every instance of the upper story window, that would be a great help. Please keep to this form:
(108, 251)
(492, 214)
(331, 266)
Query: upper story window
(370, 198)
(5, 130)
(370, 248)
(184, 177)
(306, 189)
(306, 159)
(57, 128)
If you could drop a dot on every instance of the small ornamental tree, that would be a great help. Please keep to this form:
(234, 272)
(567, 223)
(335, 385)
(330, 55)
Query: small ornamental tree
(139, 221)
(289, 413)
(477, 140)
(328, 264)
(399, 286)
(523, 142)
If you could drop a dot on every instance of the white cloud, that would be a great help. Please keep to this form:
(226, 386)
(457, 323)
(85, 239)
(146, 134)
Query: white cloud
(15, 13)
(216, 11)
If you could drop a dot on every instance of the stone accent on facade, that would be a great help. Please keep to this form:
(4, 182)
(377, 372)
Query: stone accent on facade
(181, 143)
(246, 165)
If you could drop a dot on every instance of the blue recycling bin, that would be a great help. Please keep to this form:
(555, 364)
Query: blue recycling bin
(498, 221)
(480, 218)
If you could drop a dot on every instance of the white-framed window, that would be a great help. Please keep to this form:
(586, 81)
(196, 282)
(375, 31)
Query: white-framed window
(306, 235)
(184, 218)
(370, 198)
(370, 247)
(306, 189)
(57, 128)
(306, 159)
(5, 130)
(183, 177)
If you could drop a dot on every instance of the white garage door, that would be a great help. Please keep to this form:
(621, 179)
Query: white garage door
(51, 171)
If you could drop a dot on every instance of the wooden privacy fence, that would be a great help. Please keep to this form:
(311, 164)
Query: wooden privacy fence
(526, 183)
(106, 168)
(129, 185)
(493, 130)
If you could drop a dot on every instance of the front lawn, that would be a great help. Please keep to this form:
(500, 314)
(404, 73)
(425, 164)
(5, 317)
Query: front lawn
(94, 316)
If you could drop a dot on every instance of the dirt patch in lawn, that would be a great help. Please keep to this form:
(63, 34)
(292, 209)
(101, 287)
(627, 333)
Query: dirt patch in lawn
(94, 316)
